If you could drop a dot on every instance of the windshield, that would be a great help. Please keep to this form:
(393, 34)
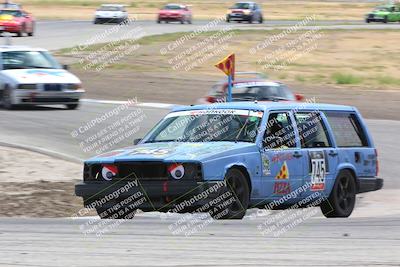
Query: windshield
(262, 92)
(28, 60)
(109, 8)
(172, 7)
(15, 13)
(241, 6)
(208, 126)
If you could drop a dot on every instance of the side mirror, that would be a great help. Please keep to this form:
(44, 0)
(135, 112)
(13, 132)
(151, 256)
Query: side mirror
(136, 141)
(299, 97)
(65, 67)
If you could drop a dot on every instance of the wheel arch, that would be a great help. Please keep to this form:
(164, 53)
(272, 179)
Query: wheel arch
(352, 170)
(244, 170)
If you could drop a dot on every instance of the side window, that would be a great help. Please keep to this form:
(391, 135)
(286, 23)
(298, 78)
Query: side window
(279, 133)
(312, 130)
(347, 129)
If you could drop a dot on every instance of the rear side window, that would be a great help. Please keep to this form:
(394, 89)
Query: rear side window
(347, 129)
(312, 130)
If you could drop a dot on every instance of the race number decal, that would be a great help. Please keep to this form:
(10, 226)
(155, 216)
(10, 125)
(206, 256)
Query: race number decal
(318, 168)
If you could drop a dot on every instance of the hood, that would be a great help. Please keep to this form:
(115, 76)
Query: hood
(41, 76)
(172, 151)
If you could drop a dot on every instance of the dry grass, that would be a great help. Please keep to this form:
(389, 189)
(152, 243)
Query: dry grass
(365, 58)
(273, 9)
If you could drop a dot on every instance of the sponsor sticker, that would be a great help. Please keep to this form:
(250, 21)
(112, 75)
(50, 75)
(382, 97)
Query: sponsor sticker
(318, 169)
(266, 164)
(282, 185)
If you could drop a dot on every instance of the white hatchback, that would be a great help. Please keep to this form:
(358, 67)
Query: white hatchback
(109, 13)
(31, 76)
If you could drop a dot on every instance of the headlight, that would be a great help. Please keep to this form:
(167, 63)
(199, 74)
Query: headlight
(177, 171)
(247, 12)
(74, 86)
(27, 86)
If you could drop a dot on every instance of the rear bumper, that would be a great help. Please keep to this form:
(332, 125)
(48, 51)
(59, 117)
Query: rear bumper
(158, 194)
(36, 97)
(170, 18)
(369, 184)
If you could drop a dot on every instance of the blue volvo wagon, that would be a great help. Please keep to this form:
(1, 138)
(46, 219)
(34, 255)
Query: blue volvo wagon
(225, 158)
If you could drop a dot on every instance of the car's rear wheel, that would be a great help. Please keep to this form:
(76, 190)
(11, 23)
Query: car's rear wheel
(261, 20)
(385, 19)
(31, 33)
(342, 199)
(21, 31)
(237, 201)
(72, 106)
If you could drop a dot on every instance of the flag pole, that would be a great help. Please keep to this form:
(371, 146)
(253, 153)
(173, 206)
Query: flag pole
(229, 97)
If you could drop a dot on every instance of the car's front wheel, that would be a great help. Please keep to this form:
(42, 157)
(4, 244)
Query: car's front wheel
(236, 202)
(72, 106)
(7, 98)
(342, 199)
(385, 19)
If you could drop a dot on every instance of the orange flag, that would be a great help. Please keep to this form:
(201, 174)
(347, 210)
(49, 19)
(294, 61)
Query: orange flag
(227, 65)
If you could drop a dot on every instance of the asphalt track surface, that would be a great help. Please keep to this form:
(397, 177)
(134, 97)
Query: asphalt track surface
(55, 35)
(147, 240)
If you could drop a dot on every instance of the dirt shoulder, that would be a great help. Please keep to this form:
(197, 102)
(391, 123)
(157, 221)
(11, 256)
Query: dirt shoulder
(35, 185)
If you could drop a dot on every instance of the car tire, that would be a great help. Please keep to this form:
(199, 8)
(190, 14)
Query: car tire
(228, 19)
(6, 98)
(33, 30)
(158, 21)
(72, 106)
(182, 21)
(250, 20)
(341, 201)
(238, 186)
(21, 32)
(261, 20)
(385, 19)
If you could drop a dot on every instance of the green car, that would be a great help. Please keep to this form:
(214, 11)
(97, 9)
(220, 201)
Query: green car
(384, 13)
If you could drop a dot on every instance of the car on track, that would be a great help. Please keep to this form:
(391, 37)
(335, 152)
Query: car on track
(384, 13)
(17, 21)
(111, 13)
(254, 87)
(245, 11)
(31, 76)
(227, 157)
(175, 13)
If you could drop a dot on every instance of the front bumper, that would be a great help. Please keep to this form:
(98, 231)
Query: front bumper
(170, 18)
(239, 17)
(14, 28)
(49, 97)
(369, 184)
(160, 195)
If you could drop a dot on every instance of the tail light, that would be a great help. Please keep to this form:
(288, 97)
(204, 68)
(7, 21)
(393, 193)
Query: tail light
(377, 162)
(210, 99)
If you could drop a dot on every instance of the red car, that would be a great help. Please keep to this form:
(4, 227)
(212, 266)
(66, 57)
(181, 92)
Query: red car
(17, 21)
(175, 12)
(251, 89)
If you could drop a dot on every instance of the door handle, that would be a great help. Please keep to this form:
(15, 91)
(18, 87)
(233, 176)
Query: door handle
(333, 153)
(297, 154)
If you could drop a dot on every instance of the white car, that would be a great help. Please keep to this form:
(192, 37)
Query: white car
(30, 76)
(111, 13)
